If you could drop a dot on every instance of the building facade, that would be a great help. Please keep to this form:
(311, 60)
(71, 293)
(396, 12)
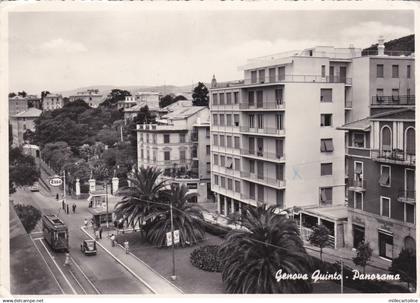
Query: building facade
(22, 122)
(92, 97)
(17, 104)
(52, 101)
(179, 145)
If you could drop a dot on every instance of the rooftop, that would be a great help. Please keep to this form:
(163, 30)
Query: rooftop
(334, 213)
(30, 113)
(183, 112)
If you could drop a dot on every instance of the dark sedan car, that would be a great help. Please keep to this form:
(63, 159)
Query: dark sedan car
(88, 247)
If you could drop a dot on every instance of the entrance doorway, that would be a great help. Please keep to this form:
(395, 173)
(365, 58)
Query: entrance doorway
(358, 235)
(386, 243)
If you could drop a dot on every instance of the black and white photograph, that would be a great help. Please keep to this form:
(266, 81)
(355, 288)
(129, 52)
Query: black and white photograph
(208, 148)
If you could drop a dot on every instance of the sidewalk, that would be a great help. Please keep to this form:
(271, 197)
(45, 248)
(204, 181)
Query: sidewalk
(153, 280)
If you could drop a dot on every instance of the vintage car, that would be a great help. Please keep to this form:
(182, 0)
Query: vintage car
(35, 187)
(88, 247)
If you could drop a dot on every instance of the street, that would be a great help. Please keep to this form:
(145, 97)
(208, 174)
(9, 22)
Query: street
(86, 274)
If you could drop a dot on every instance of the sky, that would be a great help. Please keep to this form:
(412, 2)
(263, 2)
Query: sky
(66, 50)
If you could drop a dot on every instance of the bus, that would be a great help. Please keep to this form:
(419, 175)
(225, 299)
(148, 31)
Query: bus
(55, 233)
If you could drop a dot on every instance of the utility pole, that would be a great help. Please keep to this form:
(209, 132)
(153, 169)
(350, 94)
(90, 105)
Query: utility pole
(342, 276)
(64, 187)
(173, 244)
(106, 199)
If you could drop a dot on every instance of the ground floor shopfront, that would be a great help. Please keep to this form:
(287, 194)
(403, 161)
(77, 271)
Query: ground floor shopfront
(386, 236)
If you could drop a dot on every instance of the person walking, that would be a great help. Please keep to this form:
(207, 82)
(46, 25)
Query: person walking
(100, 232)
(67, 209)
(126, 246)
(56, 197)
(86, 222)
(67, 260)
(112, 240)
(74, 208)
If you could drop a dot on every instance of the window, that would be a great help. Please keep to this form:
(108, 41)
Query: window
(395, 94)
(326, 169)
(326, 195)
(326, 94)
(222, 140)
(279, 121)
(279, 95)
(165, 139)
(322, 70)
(237, 164)
(380, 94)
(215, 120)
(279, 172)
(142, 154)
(408, 71)
(222, 99)
(408, 92)
(379, 71)
(251, 100)
(260, 99)
(358, 173)
(167, 155)
(409, 213)
(182, 155)
(326, 119)
(207, 132)
(236, 120)
(215, 140)
(207, 150)
(228, 120)
(252, 166)
(410, 141)
(282, 73)
(251, 121)
(252, 190)
(154, 139)
(223, 182)
(237, 186)
(395, 71)
(216, 159)
(229, 163)
(154, 155)
(216, 179)
(237, 144)
(261, 75)
(358, 200)
(235, 97)
(279, 149)
(327, 145)
(229, 141)
(182, 138)
(214, 99)
(222, 161)
(272, 74)
(147, 138)
(385, 207)
(228, 98)
(254, 76)
(229, 184)
(260, 121)
(385, 178)
(358, 140)
(386, 138)
(222, 120)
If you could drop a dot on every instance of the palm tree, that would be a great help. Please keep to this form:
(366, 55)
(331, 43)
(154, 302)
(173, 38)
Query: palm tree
(268, 243)
(137, 203)
(187, 218)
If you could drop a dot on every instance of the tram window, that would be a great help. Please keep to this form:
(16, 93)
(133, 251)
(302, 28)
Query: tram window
(62, 235)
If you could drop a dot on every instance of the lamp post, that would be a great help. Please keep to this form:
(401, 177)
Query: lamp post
(173, 244)
(106, 200)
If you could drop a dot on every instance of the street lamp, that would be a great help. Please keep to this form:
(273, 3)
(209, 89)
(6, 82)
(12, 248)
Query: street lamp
(173, 244)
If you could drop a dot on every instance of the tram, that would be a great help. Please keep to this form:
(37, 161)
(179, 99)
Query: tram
(55, 233)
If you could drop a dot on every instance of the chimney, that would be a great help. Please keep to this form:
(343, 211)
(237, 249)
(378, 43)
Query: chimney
(381, 46)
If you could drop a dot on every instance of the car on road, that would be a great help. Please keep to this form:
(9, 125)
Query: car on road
(35, 187)
(88, 247)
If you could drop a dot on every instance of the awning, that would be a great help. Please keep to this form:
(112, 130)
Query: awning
(333, 213)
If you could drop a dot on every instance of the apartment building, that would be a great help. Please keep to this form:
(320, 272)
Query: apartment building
(52, 101)
(131, 112)
(22, 122)
(17, 104)
(150, 98)
(91, 96)
(179, 144)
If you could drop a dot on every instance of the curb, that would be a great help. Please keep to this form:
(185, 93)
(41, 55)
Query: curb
(120, 262)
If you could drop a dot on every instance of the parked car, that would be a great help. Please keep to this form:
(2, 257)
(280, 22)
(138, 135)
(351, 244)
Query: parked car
(35, 187)
(88, 247)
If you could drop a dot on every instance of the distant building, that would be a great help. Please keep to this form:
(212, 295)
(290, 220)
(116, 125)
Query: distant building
(131, 112)
(150, 98)
(127, 103)
(92, 97)
(52, 102)
(17, 104)
(179, 144)
(21, 122)
(34, 101)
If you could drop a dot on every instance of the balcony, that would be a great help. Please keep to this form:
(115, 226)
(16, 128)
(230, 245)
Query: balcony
(407, 196)
(358, 151)
(394, 156)
(357, 185)
(269, 80)
(396, 53)
(252, 177)
(348, 104)
(263, 131)
(406, 100)
(161, 127)
(263, 154)
(263, 106)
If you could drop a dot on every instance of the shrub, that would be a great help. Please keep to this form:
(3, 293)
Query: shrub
(207, 258)
(28, 215)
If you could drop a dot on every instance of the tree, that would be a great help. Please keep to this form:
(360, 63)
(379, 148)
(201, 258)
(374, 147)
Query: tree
(28, 215)
(166, 100)
(187, 218)
(12, 94)
(405, 266)
(319, 237)
(200, 95)
(114, 96)
(57, 154)
(144, 187)
(44, 93)
(145, 116)
(363, 255)
(253, 255)
(108, 136)
(179, 97)
(22, 169)
(28, 136)
(22, 94)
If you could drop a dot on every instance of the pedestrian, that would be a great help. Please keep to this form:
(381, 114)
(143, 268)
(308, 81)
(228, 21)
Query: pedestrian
(56, 197)
(97, 234)
(74, 208)
(126, 246)
(62, 203)
(67, 260)
(100, 232)
(112, 240)
(86, 222)
(67, 207)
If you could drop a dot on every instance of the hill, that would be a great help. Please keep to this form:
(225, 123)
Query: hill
(401, 44)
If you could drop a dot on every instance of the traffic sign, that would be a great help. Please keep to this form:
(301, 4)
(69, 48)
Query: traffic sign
(55, 181)
(176, 236)
(169, 239)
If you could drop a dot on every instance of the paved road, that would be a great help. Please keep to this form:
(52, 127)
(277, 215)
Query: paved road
(107, 276)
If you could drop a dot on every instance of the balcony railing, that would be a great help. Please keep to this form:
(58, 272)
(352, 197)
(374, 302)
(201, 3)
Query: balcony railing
(265, 179)
(374, 52)
(284, 79)
(263, 154)
(357, 185)
(407, 196)
(393, 100)
(395, 156)
(262, 105)
(265, 130)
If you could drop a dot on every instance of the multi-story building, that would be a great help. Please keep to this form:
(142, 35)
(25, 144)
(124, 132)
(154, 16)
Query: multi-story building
(128, 102)
(274, 136)
(150, 98)
(17, 104)
(131, 112)
(21, 122)
(92, 97)
(52, 102)
(179, 144)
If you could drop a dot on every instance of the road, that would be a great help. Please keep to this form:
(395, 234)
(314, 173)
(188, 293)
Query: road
(86, 274)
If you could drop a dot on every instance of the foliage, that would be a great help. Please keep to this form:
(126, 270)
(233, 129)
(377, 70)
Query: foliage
(179, 97)
(252, 255)
(207, 258)
(12, 94)
(22, 169)
(187, 218)
(166, 100)
(28, 136)
(145, 116)
(22, 94)
(200, 95)
(363, 255)
(216, 229)
(28, 215)
(405, 266)
(114, 96)
(144, 187)
(319, 237)
(108, 136)
(57, 154)
(401, 44)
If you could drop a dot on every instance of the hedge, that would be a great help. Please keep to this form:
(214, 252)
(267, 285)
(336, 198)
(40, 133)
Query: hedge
(206, 258)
